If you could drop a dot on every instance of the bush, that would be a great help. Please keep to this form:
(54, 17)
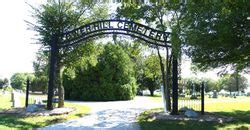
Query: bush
(18, 80)
(112, 78)
(39, 84)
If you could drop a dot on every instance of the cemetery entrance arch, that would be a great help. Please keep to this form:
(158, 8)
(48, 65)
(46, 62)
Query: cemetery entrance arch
(123, 27)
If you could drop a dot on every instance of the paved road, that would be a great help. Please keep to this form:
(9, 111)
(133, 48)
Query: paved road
(115, 115)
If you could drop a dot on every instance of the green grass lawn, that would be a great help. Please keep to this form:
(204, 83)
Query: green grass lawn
(238, 108)
(14, 121)
(5, 101)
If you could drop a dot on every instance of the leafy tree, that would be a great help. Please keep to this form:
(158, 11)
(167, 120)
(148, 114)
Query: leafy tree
(75, 70)
(153, 15)
(111, 78)
(116, 71)
(18, 80)
(135, 50)
(54, 18)
(217, 33)
(39, 84)
(164, 16)
(229, 82)
(4, 83)
(152, 73)
(192, 85)
(40, 65)
(1, 83)
(211, 85)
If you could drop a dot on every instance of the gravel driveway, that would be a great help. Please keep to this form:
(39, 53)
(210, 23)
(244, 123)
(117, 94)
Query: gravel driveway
(115, 115)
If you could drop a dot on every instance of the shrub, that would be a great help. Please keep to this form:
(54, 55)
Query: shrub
(112, 78)
(39, 84)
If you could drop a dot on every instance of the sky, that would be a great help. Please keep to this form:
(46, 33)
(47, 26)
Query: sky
(17, 50)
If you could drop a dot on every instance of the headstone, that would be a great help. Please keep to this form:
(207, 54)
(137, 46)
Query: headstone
(215, 95)
(32, 108)
(15, 100)
(12, 95)
(38, 101)
(191, 113)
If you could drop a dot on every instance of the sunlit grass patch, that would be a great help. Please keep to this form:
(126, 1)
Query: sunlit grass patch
(238, 108)
(16, 121)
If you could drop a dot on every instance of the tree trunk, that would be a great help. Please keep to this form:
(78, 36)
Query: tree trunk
(175, 85)
(151, 92)
(165, 95)
(52, 71)
(60, 87)
(237, 81)
(168, 73)
(166, 80)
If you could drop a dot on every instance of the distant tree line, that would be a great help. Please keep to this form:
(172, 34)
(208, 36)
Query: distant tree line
(227, 82)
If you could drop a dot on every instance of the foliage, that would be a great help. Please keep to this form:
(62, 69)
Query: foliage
(210, 85)
(216, 33)
(151, 73)
(4, 83)
(192, 85)
(135, 50)
(18, 80)
(39, 84)
(40, 65)
(164, 16)
(229, 82)
(55, 18)
(111, 78)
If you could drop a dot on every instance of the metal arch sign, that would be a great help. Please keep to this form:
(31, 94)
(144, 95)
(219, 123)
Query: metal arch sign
(124, 27)
(149, 35)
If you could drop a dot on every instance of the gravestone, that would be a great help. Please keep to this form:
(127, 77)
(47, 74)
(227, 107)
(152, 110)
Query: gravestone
(32, 108)
(215, 95)
(38, 101)
(191, 113)
(15, 99)
(12, 95)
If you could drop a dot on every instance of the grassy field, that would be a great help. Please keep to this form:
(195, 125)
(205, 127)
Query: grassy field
(239, 108)
(14, 121)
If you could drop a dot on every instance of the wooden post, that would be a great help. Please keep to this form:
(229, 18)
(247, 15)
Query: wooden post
(202, 98)
(52, 71)
(27, 93)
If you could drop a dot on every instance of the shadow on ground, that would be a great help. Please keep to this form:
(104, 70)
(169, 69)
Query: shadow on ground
(23, 122)
(15, 122)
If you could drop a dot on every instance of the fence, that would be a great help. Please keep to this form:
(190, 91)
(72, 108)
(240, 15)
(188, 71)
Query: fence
(33, 99)
(193, 101)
